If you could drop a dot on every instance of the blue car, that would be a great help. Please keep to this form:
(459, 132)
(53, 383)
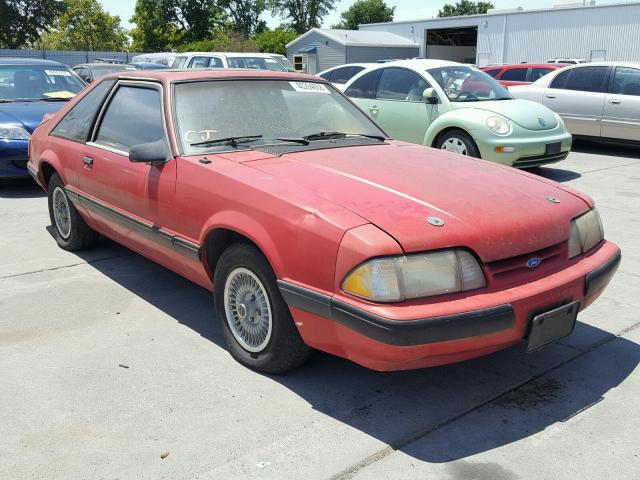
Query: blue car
(29, 88)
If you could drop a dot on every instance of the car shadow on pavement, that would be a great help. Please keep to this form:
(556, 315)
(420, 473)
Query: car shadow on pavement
(500, 399)
(555, 174)
(20, 188)
(606, 148)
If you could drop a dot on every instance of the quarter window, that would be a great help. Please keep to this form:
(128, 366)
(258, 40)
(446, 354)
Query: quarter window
(179, 62)
(365, 86)
(401, 84)
(133, 117)
(626, 81)
(343, 75)
(77, 123)
(514, 75)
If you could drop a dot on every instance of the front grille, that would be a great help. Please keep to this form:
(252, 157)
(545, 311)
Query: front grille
(537, 160)
(514, 270)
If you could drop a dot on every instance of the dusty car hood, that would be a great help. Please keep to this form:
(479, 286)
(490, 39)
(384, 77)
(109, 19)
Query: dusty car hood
(527, 114)
(497, 211)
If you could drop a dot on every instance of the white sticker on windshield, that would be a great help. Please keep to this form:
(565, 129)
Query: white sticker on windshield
(309, 87)
(62, 73)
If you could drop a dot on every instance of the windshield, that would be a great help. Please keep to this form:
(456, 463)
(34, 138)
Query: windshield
(271, 109)
(257, 63)
(465, 84)
(35, 82)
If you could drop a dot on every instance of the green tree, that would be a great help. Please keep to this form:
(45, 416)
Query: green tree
(22, 21)
(275, 41)
(85, 25)
(244, 15)
(302, 14)
(221, 41)
(365, 11)
(167, 24)
(465, 7)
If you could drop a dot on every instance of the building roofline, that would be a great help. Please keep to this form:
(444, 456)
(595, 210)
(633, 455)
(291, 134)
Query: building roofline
(498, 14)
(346, 43)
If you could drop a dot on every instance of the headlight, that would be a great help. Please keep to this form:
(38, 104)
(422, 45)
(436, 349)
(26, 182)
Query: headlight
(499, 126)
(586, 232)
(393, 279)
(11, 132)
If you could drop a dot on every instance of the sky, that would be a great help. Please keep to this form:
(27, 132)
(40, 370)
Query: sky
(405, 9)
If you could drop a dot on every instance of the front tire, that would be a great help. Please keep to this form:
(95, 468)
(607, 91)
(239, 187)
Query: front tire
(458, 141)
(254, 318)
(70, 230)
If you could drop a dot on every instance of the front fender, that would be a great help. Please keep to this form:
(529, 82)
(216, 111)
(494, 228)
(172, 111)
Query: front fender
(467, 119)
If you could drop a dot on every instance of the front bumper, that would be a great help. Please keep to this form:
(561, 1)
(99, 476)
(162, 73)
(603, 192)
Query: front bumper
(395, 337)
(13, 158)
(529, 147)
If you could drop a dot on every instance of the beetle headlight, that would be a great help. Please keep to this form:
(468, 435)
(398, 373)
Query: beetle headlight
(586, 232)
(393, 279)
(499, 126)
(12, 132)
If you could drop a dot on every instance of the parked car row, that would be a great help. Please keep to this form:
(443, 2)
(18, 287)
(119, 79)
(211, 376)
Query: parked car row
(312, 227)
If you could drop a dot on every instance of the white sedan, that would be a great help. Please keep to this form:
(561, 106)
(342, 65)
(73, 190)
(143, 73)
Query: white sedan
(598, 100)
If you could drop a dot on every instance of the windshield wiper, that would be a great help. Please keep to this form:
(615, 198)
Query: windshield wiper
(54, 99)
(6, 100)
(330, 135)
(227, 140)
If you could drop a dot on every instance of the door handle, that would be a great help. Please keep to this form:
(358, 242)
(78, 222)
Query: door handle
(373, 109)
(88, 162)
(548, 95)
(615, 101)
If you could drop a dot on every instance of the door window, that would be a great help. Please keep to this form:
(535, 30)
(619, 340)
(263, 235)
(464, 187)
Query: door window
(561, 79)
(76, 124)
(199, 62)
(134, 116)
(493, 72)
(514, 75)
(587, 79)
(216, 62)
(401, 84)
(365, 86)
(626, 81)
(537, 73)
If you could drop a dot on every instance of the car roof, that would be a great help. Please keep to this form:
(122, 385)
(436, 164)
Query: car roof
(226, 54)
(171, 75)
(420, 63)
(100, 64)
(527, 65)
(607, 64)
(28, 61)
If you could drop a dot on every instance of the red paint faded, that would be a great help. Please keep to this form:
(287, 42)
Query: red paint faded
(318, 214)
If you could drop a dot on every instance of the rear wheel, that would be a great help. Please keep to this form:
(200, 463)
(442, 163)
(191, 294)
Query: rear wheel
(255, 320)
(460, 142)
(70, 230)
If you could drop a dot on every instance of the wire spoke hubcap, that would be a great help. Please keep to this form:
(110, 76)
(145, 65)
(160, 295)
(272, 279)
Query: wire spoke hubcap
(61, 213)
(248, 310)
(455, 145)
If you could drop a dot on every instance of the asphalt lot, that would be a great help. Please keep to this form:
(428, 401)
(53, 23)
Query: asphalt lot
(69, 410)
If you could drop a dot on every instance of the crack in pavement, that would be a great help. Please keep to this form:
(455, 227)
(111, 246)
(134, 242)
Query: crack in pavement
(350, 472)
(609, 168)
(13, 275)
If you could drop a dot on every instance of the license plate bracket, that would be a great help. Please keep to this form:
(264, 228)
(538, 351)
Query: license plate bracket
(553, 148)
(552, 325)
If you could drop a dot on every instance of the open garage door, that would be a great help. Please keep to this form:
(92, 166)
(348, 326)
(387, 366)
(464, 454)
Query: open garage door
(453, 44)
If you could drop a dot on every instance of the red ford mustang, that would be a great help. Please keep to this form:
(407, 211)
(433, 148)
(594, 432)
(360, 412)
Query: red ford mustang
(313, 229)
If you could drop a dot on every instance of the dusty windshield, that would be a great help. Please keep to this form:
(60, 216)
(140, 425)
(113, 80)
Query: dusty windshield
(466, 84)
(265, 110)
(35, 82)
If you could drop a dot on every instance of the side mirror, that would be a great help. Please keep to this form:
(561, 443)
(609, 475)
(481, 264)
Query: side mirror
(430, 95)
(154, 153)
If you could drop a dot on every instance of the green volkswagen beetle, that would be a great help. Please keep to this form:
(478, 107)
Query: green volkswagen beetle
(459, 108)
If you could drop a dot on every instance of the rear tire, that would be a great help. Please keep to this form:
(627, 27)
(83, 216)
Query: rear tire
(70, 230)
(458, 141)
(254, 318)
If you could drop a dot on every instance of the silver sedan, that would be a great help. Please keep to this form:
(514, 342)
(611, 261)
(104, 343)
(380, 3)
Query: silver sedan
(600, 100)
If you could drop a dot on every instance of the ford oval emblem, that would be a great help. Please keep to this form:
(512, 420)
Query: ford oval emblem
(542, 122)
(534, 262)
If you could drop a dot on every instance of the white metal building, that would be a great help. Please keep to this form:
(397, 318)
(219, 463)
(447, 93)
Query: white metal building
(573, 30)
